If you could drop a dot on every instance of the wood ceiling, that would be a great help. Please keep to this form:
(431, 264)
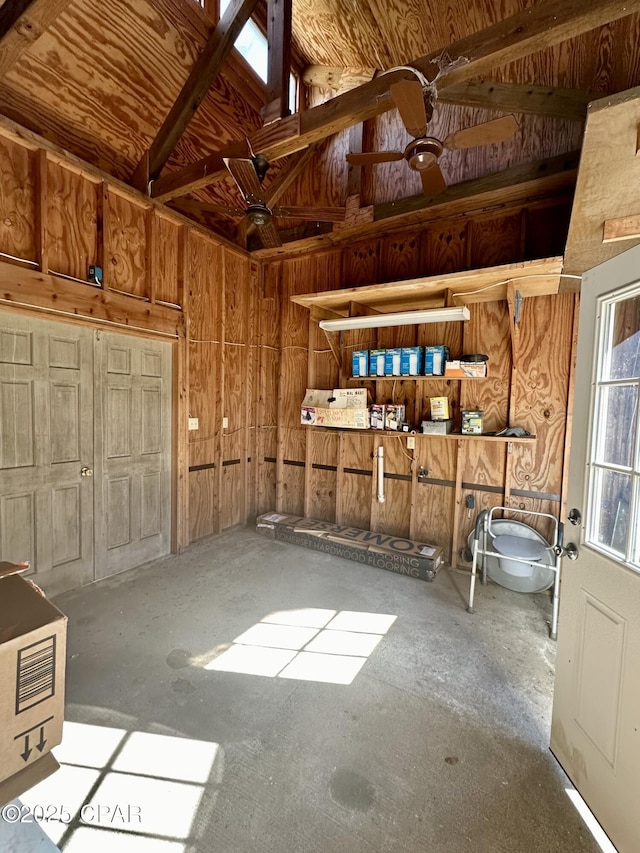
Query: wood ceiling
(100, 80)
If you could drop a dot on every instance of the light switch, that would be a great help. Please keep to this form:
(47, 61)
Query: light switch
(193, 423)
(225, 423)
(411, 442)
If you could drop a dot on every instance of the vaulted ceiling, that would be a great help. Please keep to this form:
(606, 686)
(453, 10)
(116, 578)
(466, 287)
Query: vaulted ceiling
(101, 79)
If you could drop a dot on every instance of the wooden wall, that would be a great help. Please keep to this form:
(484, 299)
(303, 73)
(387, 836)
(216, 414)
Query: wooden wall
(162, 276)
(328, 474)
(244, 353)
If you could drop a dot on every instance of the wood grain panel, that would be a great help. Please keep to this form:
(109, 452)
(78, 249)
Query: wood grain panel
(541, 391)
(290, 488)
(355, 498)
(297, 275)
(433, 515)
(393, 516)
(293, 383)
(320, 497)
(494, 239)
(487, 333)
(205, 309)
(72, 214)
(125, 252)
(201, 500)
(17, 201)
(444, 247)
(165, 260)
(266, 471)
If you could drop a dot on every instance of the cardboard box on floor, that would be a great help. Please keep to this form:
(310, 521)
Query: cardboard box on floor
(393, 553)
(33, 638)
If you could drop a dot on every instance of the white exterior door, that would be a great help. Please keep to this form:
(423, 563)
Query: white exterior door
(85, 450)
(595, 731)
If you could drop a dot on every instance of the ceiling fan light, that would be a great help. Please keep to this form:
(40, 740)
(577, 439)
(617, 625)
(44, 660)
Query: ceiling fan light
(422, 154)
(258, 214)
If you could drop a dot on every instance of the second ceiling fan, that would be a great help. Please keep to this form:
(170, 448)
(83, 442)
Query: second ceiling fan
(259, 203)
(423, 152)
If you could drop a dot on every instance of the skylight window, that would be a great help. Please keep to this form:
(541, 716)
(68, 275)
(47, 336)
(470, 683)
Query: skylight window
(252, 45)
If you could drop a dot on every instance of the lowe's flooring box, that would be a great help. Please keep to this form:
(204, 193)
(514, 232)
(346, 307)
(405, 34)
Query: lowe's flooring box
(33, 636)
(342, 407)
(393, 553)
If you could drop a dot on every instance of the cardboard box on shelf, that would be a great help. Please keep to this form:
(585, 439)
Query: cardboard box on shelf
(411, 360)
(434, 360)
(341, 407)
(392, 361)
(376, 362)
(360, 362)
(377, 416)
(394, 416)
(33, 634)
(437, 427)
(466, 369)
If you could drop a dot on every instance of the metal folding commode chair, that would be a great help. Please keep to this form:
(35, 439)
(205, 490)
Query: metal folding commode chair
(487, 543)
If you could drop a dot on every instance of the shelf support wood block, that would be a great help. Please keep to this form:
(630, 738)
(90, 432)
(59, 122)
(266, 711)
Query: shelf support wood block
(622, 228)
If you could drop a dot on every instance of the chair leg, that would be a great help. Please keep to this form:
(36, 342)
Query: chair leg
(472, 584)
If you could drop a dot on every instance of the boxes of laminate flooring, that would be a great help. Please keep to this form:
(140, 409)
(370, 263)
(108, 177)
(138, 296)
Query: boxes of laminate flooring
(33, 636)
(393, 553)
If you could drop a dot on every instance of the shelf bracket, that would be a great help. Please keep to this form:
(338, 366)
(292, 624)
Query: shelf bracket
(514, 300)
(333, 341)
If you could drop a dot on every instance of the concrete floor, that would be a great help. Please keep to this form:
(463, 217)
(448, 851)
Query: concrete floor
(439, 743)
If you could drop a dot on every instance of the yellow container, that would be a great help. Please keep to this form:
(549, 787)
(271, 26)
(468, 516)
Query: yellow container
(439, 408)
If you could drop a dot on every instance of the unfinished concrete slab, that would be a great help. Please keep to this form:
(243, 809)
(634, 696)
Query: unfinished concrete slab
(385, 717)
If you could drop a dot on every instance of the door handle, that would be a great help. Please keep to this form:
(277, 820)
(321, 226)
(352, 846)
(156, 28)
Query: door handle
(571, 552)
(86, 472)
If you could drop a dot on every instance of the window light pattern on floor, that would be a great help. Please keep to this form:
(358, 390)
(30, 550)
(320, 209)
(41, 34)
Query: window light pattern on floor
(128, 791)
(311, 644)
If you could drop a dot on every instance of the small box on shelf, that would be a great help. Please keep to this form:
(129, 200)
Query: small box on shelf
(434, 360)
(392, 362)
(376, 362)
(394, 417)
(360, 362)
(411, 361)
(465, 369)
(437, 427)
(377, 412)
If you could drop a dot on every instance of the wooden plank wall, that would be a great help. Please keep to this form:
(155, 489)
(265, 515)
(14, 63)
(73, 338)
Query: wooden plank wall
(330, 474)
(58, 217)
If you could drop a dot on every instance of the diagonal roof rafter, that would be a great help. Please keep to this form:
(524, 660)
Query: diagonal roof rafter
(547, 23)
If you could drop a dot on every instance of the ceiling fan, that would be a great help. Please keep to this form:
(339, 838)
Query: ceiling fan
(259, 203)
(423, 152)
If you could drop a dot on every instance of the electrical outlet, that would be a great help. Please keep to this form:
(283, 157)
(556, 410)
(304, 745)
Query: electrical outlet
(193, 423)
(225, 423)
(411, 442)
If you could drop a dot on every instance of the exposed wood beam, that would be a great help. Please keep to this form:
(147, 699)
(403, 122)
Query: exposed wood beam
(541, 26)
(339, 79)
(287, 175)
(527, 182)
(202, 75)
(279, 59)
(519, 98)
(22, 22)
(622, 228)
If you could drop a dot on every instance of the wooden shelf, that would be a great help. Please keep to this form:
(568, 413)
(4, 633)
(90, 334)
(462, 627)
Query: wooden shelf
(416, 378)
(456, 436)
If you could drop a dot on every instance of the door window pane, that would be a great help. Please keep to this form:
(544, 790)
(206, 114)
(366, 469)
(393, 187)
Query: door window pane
(624, 319)
(613, 516)
(618, 411)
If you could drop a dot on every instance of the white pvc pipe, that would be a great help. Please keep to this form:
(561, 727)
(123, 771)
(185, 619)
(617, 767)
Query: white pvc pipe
(381, 474)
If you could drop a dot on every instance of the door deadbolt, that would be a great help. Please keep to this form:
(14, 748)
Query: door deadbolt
(86, 472)
(574, 516)
(571, 552)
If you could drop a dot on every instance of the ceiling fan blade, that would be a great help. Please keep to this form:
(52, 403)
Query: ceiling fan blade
(189, 206)
(269, 236)
(244, 174)
(373, 157)
(498, 130)
(313, 214)
(433, 182)
(409, 99)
